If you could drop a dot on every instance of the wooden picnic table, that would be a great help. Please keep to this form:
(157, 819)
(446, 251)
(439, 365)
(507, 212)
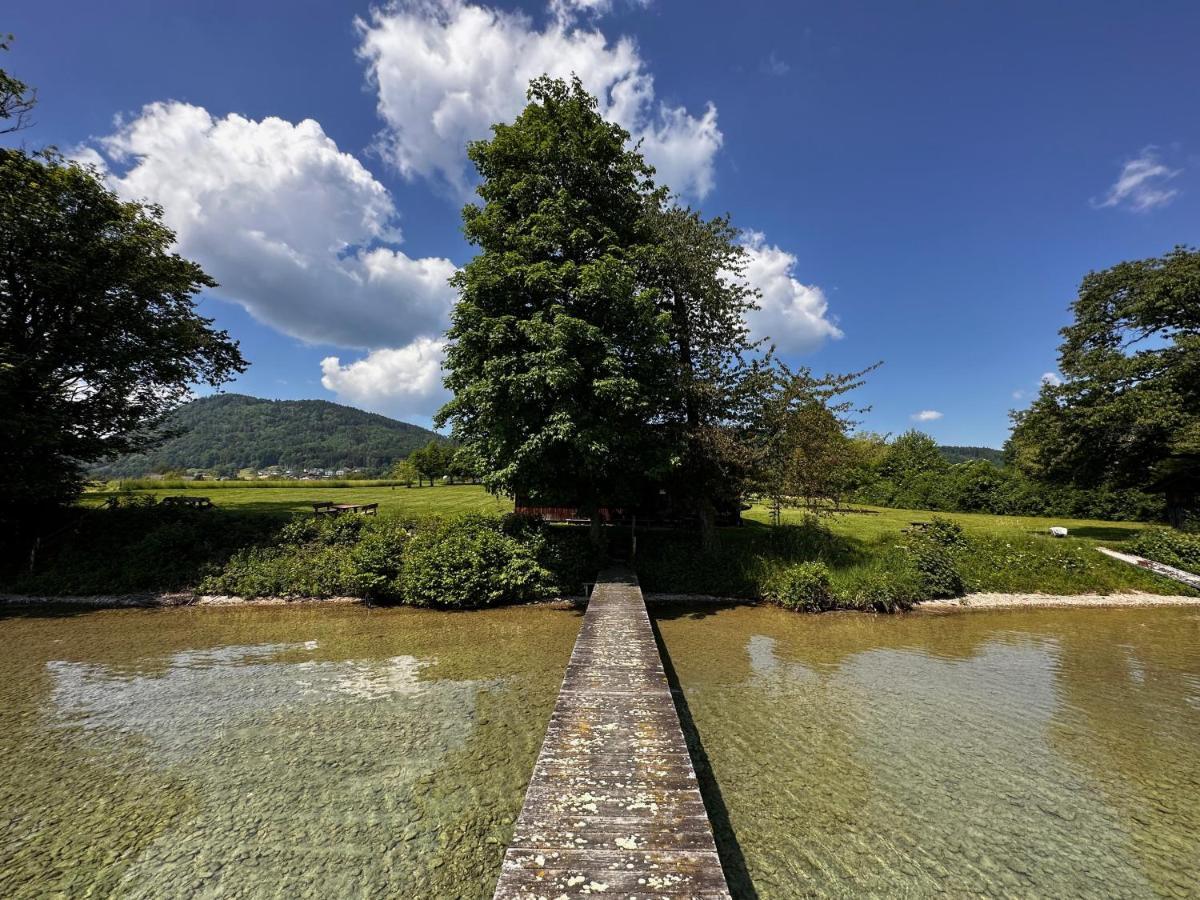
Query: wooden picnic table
(328, 508)
(190, 502)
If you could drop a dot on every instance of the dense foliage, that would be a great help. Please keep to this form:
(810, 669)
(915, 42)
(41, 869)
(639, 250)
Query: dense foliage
(1127, 413)
(99, 334)
(553, 341)
(455, 563)
(471, 561)
(933, 550)
(804, 586)
(708, 401)
(957, 454)
(599, 353)
(911, 472)
(228, 432)
(319, 557)
(246, 552)
(139, 546)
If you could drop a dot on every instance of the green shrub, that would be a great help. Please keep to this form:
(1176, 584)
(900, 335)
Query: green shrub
(804, 586)
(284, 571)
(882, 590)
(469, 562)
(1165, 545)
(933, 551)
(326, 556)
(138, 546)
(377, 559)
(945, 533)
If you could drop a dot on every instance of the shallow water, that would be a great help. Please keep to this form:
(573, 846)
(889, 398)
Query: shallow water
(340, 751)
(1011, 753)
(321, 752)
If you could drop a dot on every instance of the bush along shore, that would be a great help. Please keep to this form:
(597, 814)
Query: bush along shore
(478, 560)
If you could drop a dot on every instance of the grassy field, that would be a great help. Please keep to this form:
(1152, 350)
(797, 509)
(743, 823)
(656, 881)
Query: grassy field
(1005, 554)
(880, 523)
(452, 499)
(444, 499)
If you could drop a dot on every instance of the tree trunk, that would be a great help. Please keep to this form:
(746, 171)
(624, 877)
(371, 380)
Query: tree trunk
(595, 528)
(1176, 509)
(708, 525)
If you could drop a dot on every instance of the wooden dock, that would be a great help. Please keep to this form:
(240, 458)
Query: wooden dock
(613, 807)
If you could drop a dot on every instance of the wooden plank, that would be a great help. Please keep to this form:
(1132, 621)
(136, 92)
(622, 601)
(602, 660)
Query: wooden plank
(1190, 579)
(613, 806)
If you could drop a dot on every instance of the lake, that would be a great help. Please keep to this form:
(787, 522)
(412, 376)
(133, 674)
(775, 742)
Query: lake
(270, 752)
(1047, 753)
(333, 751)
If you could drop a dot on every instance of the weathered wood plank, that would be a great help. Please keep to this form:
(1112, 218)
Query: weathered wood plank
(1190, 579)
(613, 806)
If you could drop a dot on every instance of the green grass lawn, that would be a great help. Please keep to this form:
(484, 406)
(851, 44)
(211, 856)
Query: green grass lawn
(443, 499)
(1008, 554)
(890, 522)
(1005, 554)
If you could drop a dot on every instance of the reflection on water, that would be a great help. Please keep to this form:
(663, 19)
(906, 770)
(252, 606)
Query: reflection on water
(1041, 752)
(326, 752)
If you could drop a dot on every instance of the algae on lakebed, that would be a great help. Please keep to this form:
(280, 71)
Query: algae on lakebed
(325, 751)
(1032, 752)
(339, 750)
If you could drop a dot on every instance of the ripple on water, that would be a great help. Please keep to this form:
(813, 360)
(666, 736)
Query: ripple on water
(1028, 752)
(293, 753)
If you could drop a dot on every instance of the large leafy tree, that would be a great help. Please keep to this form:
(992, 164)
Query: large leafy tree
(713, 378)
(557, 348)
(99, 334)
(1127, 413)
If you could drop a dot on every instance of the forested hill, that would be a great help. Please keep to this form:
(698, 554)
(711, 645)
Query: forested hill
(967, 454)
(228, 432)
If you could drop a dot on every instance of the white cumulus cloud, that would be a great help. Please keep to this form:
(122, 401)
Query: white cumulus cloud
(404, 381)
(926, 415)
(1142, 184)
(1051, 378)
(795, 316)
(445, 70)
(295, 230)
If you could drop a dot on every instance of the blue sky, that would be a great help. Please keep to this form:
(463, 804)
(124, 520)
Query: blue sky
(920, 183)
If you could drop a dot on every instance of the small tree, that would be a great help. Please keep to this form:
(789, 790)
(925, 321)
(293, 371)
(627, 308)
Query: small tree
(1127, 413)
(804, 457)
(430, 461)
(403, 470)
(99, 334)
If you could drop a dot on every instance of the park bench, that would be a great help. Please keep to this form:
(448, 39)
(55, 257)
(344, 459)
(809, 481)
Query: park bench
(336, 509)
(188, 502)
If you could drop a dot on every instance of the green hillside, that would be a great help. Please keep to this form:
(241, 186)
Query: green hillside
(967, 454)
(228, 432)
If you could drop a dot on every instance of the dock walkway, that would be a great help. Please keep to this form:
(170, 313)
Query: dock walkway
(613, 807)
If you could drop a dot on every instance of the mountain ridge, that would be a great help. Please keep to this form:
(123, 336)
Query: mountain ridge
(228, 432)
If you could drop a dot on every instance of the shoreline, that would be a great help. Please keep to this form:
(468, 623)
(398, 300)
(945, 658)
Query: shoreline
(978, 601)
(1130, 600)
